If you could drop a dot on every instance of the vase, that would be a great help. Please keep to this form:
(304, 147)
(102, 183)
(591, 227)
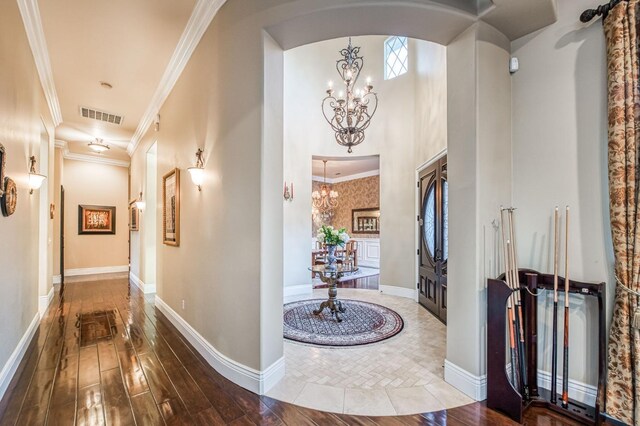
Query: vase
(331, 256)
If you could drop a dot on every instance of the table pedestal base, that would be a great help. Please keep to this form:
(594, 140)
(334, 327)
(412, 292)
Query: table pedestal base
(334, 305)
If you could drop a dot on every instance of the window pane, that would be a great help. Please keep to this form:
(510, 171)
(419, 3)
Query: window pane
(396, 57)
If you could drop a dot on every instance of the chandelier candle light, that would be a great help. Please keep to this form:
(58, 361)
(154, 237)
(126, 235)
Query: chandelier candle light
(324, 200)
(350, 115)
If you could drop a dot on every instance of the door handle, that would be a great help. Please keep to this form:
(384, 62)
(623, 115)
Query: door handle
(438, 256)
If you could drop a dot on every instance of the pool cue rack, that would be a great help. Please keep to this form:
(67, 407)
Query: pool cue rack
(501, 394)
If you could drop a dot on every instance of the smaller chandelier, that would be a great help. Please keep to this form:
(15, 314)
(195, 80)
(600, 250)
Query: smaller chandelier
(324, 200)
(98, 146)
(349, 114)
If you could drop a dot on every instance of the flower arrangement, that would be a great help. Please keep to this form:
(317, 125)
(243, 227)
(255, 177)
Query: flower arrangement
(332, 237)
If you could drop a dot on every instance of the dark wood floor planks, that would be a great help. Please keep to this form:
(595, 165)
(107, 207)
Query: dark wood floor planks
(104, 355)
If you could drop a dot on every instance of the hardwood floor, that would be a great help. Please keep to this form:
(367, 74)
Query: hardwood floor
(104, 355)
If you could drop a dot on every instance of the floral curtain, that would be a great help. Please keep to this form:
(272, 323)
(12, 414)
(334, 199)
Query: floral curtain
(623, 377)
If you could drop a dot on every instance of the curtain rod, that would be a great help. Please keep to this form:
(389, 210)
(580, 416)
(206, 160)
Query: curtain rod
(603, 9)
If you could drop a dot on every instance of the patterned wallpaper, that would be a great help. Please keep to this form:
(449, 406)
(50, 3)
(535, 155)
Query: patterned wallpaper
(352, 194)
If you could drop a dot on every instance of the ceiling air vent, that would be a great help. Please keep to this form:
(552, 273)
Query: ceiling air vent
(95, 114)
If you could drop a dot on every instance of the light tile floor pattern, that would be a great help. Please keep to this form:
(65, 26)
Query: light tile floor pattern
(401, 375)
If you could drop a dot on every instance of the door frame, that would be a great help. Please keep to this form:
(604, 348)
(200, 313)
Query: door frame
(416, 209)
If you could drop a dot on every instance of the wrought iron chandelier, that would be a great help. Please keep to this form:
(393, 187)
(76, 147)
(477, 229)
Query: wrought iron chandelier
(350, 115)
(324, 200)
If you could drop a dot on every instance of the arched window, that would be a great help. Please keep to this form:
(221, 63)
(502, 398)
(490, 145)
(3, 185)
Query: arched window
(396, 57)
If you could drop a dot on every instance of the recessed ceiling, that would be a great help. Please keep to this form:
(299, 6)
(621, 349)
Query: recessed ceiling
(125, 43)
(340, 167)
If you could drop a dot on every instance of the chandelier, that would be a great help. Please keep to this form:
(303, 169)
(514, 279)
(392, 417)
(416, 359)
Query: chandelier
(348, 114)
(324, 200)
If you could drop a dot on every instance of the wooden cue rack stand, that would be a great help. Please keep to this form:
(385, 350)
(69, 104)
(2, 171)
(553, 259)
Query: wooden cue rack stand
(501, 395)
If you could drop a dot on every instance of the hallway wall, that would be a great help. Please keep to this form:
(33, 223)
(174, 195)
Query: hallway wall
(100, 185)
(22, 109)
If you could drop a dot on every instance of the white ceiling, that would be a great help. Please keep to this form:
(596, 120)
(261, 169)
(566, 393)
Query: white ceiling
(125, 43)
(132, 46)
(340, 167)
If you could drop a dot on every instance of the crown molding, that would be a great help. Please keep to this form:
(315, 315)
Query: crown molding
(201, 17)
(347, 178)
(35, 34)
(68, 155)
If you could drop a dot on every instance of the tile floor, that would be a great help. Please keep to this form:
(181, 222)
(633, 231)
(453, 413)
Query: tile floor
(401, 375)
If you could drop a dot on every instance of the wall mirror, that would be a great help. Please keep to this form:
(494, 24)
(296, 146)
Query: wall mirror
(366, 221)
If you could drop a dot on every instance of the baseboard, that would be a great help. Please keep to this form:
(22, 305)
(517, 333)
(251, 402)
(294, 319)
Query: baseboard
(95, 271)
(297, 290)
(398, 291)
(259, 382)
(470, 384)
(57, 279)
(144, 287)
(579, 391)
(44, 302)
(13, 362)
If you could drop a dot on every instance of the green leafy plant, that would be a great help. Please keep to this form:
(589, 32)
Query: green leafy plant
(334, 237)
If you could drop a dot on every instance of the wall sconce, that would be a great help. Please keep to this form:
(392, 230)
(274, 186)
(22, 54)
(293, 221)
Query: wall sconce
(288, 192)
(197, 172)
(35, 179)
(140, 203)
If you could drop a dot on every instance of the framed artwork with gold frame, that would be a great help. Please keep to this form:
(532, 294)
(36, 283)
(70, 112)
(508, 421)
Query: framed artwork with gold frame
(134, 216)
(171, 208)
(3, 165)
(96, 220)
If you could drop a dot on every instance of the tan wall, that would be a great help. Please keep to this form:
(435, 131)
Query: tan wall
(22, 105)
(101, 185)
(58, 177)
(560, 155)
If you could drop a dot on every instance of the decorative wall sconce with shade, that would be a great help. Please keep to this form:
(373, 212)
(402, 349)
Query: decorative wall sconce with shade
(35, 179)
(140, 203)
(98, 146)
(288, 192)
(197, 172)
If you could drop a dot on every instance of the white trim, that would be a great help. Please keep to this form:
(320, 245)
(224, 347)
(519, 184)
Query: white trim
(392, 290)
(94, 271)
(35, 34)
(68, 155)
(417, 240)
(57, 279)
(201, 17)
(10, 367)
(578, 391)
(297, 290)
(44, 302)
(347, 178)
(146, 288)
(259, 382)
(470, 384)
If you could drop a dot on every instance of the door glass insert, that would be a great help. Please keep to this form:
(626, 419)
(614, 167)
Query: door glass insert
(429, 215)
(445, 220)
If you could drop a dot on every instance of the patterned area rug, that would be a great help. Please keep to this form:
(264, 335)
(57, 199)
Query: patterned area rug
(362, 323)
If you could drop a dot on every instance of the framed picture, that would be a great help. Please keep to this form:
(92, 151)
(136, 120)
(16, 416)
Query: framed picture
(96, 220)
(9, 198)
(366, 221)
(171, 208)
(3, 166)
(134, 216)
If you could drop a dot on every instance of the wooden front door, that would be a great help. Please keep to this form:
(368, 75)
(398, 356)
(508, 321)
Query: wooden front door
(434, 248)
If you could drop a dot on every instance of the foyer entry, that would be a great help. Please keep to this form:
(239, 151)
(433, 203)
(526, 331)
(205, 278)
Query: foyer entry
(433, 238)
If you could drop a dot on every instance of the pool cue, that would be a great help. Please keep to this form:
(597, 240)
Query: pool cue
(554, 347)
(565, 364)
(510, 320)
(522, 350)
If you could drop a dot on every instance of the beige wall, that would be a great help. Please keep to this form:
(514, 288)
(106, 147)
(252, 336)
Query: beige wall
(58, 177)
(100, 185)
(22, 105)
(560, 158)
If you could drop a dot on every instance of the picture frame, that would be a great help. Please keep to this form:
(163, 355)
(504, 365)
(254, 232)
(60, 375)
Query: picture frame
(365, 221)
(134, 216)
(171, 208)
(3, 168)
(96, 220)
